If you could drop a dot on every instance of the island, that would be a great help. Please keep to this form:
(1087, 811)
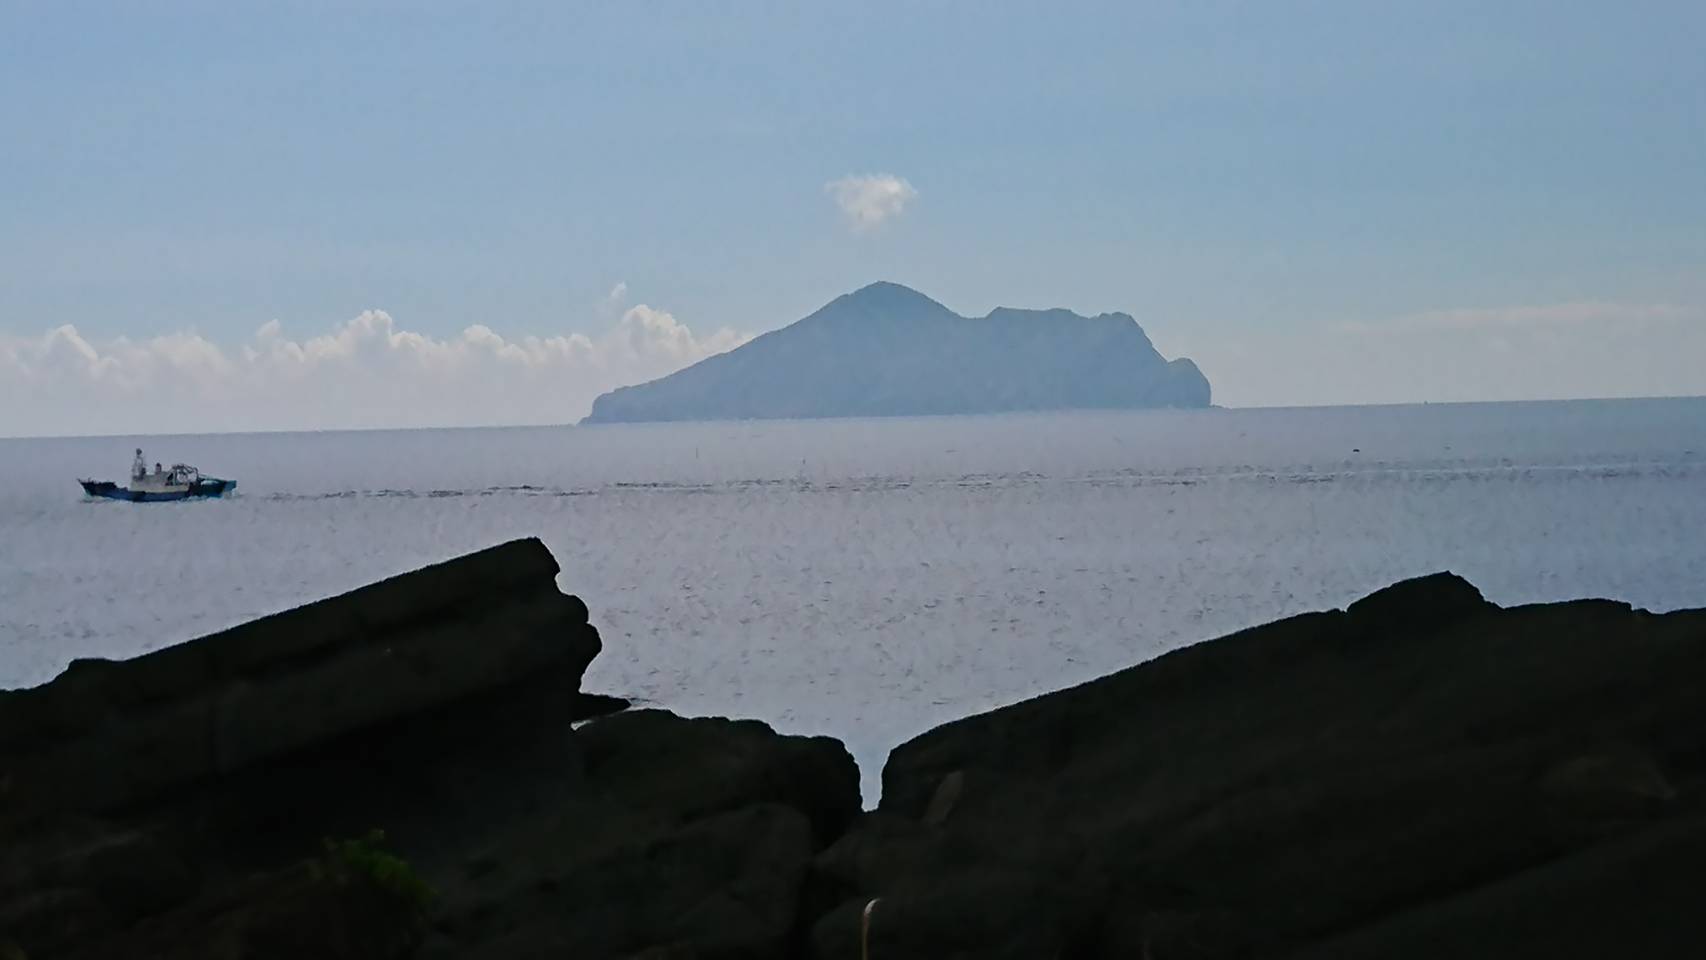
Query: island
(888, 350)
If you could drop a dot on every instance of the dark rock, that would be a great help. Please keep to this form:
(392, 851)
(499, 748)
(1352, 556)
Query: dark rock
(443, 707)
(724, 885)
(1421, 772)
(687, 769)
(77, 877)
(1287, 785)
(691, 837)
(104, 735)
(600, 704)
(300, 911)
(440, 783)
(674, 951)
(54, 919)
(990, 912)
(1635, 896)
(946, 796)
(438, 704)
(1425, 603)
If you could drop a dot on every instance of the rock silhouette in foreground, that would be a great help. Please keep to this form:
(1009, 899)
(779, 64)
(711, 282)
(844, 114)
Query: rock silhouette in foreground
(1422, 774)
(886, 350)
(439, 707)
(105, 734)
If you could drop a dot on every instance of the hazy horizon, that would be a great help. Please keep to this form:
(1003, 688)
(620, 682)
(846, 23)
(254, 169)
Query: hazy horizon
(572, 425)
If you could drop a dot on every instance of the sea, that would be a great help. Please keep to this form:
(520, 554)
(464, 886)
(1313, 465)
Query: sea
(870, 579)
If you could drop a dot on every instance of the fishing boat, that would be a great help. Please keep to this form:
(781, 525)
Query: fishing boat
(178, 482)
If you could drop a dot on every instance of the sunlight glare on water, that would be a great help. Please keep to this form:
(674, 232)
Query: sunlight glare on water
(869, 579)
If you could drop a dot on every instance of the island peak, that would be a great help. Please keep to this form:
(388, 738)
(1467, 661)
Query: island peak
(889, 350)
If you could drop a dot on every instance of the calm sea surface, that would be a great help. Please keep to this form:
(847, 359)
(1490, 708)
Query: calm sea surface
(872, 578)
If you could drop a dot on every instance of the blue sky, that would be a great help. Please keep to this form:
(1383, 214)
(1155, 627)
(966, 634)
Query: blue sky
(1319, 202)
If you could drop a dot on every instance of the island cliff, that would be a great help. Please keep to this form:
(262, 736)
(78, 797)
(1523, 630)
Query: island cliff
(886, 350)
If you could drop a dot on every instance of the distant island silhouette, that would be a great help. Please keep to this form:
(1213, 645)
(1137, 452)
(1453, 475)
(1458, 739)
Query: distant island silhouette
(888, 350)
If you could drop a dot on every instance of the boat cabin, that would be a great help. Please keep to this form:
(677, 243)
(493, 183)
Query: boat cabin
(178, 478)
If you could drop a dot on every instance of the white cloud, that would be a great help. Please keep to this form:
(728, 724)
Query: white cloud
(869, 200)
(368, 372)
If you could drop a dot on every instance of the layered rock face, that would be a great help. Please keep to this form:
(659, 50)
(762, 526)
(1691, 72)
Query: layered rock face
(108, 734)
(1421, 774)
(689, 838)
(219, 799)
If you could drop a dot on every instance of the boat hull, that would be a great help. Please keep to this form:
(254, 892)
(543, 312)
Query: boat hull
(202, 489)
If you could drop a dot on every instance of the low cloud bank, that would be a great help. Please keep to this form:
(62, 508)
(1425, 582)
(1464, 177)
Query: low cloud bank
(368, 372)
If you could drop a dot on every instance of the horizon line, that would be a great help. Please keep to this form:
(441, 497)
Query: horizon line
(576, 425)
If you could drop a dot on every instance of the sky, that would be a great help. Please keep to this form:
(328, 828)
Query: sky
(322, 215)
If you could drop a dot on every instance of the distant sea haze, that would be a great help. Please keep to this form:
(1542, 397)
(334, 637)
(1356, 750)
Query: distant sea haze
(886, 350)
(872, 578)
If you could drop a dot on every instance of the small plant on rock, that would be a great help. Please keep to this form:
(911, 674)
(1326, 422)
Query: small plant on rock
(366, 857)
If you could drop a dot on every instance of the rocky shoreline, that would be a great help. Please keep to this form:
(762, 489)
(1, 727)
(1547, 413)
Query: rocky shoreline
(411, 770)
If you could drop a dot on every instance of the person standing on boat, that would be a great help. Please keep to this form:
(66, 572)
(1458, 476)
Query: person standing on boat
(139, 466)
